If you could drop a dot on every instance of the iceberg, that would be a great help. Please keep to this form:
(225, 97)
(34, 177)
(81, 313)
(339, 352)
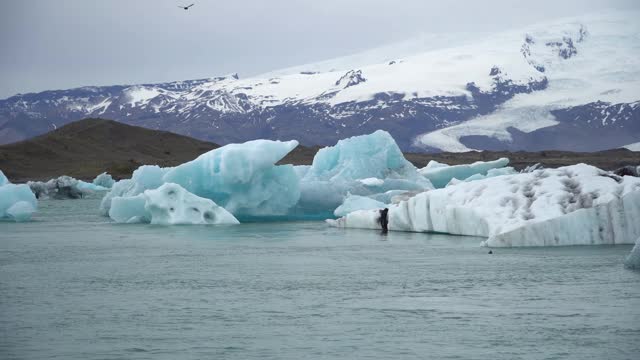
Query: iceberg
(355, 202)
(169, 204)
(104, 180)
(360, 165)
(145, 177)
(63, 187)
(242, 178)
(17, 202)
(441, 174)
(3, 179)
(633, 260)
(573, 205)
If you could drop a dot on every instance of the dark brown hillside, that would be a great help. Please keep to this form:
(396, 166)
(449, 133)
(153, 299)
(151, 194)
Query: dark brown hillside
(88, 147)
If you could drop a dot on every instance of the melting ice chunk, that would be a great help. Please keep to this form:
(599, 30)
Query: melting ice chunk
(170, 204)
(17, 202)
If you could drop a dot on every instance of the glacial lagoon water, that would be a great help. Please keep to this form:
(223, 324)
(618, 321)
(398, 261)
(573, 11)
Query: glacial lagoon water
(73, 285)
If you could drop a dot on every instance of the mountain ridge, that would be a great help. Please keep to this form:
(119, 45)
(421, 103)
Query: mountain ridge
(509, 91)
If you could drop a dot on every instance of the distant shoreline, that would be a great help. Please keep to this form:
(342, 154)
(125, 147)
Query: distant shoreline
(86, 148)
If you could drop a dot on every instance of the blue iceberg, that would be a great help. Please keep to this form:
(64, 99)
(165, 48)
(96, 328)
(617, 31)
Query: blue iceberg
(17, 201)
(3, 179)
(104, 180)
(362, 165)
(242, 178)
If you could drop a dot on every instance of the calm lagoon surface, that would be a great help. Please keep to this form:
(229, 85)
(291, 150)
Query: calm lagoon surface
(73, 285)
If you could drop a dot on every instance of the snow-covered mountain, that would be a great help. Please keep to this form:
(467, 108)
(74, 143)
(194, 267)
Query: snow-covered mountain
(571, 84)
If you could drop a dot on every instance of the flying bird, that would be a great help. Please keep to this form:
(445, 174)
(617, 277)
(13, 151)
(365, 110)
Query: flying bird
(185, 7)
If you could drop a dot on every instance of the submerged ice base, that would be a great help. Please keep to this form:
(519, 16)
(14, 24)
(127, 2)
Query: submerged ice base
(574, 205)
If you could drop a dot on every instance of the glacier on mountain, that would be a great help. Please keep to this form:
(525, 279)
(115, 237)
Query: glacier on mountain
(573, 205)
(169, 204)
(17, 202)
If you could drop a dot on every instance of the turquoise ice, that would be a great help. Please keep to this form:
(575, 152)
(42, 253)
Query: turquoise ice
(361, 165)
(17, 202)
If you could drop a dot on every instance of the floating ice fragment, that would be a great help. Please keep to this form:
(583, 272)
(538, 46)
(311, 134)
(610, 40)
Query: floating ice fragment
(17, 202)
(170, 204)
(104, 180)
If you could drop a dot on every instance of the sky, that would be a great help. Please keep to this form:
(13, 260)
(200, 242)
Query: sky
(59, 44)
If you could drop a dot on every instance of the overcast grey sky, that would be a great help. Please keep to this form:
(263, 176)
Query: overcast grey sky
(55, 44)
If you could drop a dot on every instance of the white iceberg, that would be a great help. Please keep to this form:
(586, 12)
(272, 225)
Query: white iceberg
(360, 165)
(441, 174)
(17, 202)
(104, 180)
(355, 202)
(169, 204)
(573, 205)
(633, 260)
